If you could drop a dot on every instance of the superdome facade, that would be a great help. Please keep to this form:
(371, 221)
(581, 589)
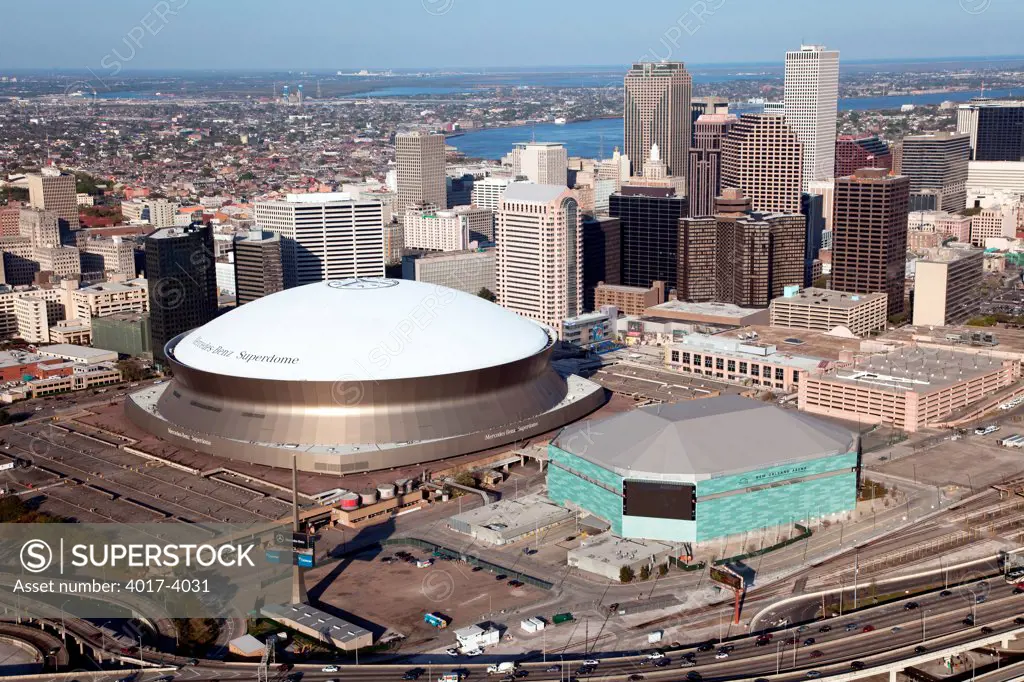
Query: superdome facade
(361, 374)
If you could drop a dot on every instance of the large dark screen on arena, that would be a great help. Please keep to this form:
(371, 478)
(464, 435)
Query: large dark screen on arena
(658, 500)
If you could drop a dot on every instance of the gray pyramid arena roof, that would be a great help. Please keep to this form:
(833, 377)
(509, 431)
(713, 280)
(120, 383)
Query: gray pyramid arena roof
(701, 438)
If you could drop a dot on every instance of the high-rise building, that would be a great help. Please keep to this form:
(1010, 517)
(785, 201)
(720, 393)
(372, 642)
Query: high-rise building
(869, 234)
(54, 191)
(763, 157)
(947, 284)
(739, 256)
(602, 246)
(10, 215)
(705, 173)
(861, 151)
(487, 193)
(936, 164)
(707, 106)
(42, 227)
(811, 94)
(545, 163)
(326, 236)
(812, 206)
(459, 191)
(258, 270)
(996, 128)
(108, 255)
(468, 271)
(157, 212)
(427, 228)
(826, 189)
(539, 264)
(420, 165)
(182, 282)
(649, 220)
(657, 110)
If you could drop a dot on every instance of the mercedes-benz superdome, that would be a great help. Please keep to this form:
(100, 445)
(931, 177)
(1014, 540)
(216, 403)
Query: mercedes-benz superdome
(359, 375)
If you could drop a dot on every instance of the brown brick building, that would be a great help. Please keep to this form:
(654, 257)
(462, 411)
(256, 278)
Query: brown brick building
(869, 234)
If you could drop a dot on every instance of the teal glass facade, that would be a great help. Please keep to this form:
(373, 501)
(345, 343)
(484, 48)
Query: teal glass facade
(726, 505)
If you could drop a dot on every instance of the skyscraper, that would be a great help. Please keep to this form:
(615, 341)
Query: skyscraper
(705, 172)
(545, 163)
(869, 234)
(539, 262)
(258, 270)
(657, 110)
(812, 206)
(326, 236)
(762, 156)
(182, 282)
(739, 256)
(936, 164)
(861, 151)
(420, 166)
(996, 129)
(54, 191)
(602, 244)
(811, 103)
(649, 219)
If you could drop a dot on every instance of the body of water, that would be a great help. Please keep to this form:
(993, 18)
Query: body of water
(586, 138)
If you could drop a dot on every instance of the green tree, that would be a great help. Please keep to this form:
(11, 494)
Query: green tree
(5, 417)
(662, 570)
(12, 509)
(820, 282)
(645, 572)
(131, 370)
(487, 295)
(626, 574)
(465, 478)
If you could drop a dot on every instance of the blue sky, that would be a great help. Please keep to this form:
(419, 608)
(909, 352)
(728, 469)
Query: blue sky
(345, 34)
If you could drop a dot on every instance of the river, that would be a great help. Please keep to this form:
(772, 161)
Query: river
(597, 138)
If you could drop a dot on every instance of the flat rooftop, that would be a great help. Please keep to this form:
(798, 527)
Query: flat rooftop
(699, 439)
(803, 341)
(622, 288)
(74, 351)
(754, 350)
(609, 549)
(948, 255)
(326, 624)
(727, 310)
(828, 298)
(529, 511)
(917, 369)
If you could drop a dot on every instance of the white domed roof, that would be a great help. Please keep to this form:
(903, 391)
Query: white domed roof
(360, 330)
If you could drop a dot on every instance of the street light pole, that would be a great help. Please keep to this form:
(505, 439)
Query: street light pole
(63, 631)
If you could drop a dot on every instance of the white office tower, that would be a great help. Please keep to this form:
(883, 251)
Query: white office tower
(420, 162)
(811, 101)
(325, 236)
(545, 163)
(487, 193)
(539, 262)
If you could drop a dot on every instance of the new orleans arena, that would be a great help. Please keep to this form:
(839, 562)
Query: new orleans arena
(358, 375)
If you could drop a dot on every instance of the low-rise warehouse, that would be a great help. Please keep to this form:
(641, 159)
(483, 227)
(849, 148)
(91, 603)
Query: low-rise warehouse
(506, 521)
(319, 625)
